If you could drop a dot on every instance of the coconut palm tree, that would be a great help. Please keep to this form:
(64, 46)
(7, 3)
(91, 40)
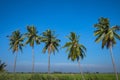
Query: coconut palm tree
(2, 66)
(108, 36)
(75, 49)
(51, 44)
(32, 37)
(16, 43)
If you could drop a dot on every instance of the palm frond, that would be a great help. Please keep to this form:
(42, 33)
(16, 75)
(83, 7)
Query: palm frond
(116, 28)
(104, 42)
(67, 44)
(100, 37)
(116, 35)
(83, 47)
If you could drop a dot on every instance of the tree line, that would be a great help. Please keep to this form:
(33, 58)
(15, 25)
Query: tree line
(76, 51)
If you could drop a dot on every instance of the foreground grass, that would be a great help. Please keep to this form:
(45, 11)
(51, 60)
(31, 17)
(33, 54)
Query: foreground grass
(36, 76)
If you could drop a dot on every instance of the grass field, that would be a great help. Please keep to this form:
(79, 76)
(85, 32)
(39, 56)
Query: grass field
(36, 76)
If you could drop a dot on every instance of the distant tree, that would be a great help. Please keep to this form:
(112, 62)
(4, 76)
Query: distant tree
(97, 72)
(32, 37)
(51, 44)
(75, 49)
(108, 36)
(16, 43)
(2, 66)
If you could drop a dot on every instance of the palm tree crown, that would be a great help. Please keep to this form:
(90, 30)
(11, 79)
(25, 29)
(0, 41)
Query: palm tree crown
(51, 42)
(75, 50)
(16, 41)
(105, 33)
(32, 36)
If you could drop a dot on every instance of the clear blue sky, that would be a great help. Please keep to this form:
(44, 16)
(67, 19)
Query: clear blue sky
(62, 16)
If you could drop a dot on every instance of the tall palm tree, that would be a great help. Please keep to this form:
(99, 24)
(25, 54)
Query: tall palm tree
(51, 44)
(75, 49)
(16, 43)
(32, 37)
(108, 36)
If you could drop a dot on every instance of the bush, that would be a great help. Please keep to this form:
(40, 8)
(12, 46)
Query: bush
(4, 76)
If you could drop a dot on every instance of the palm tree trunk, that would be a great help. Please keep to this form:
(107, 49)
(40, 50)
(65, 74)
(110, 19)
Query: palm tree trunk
(48, 63)
(32, 60)
(15, 62)
(113, 62)
(83, 78)
(49, 51)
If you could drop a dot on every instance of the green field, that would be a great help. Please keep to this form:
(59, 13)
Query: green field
(36, 76)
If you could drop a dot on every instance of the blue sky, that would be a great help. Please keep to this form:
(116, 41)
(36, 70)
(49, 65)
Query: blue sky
(62, 16)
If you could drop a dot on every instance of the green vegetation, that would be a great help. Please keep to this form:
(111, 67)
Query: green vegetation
(36, 76)
(2, 66)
